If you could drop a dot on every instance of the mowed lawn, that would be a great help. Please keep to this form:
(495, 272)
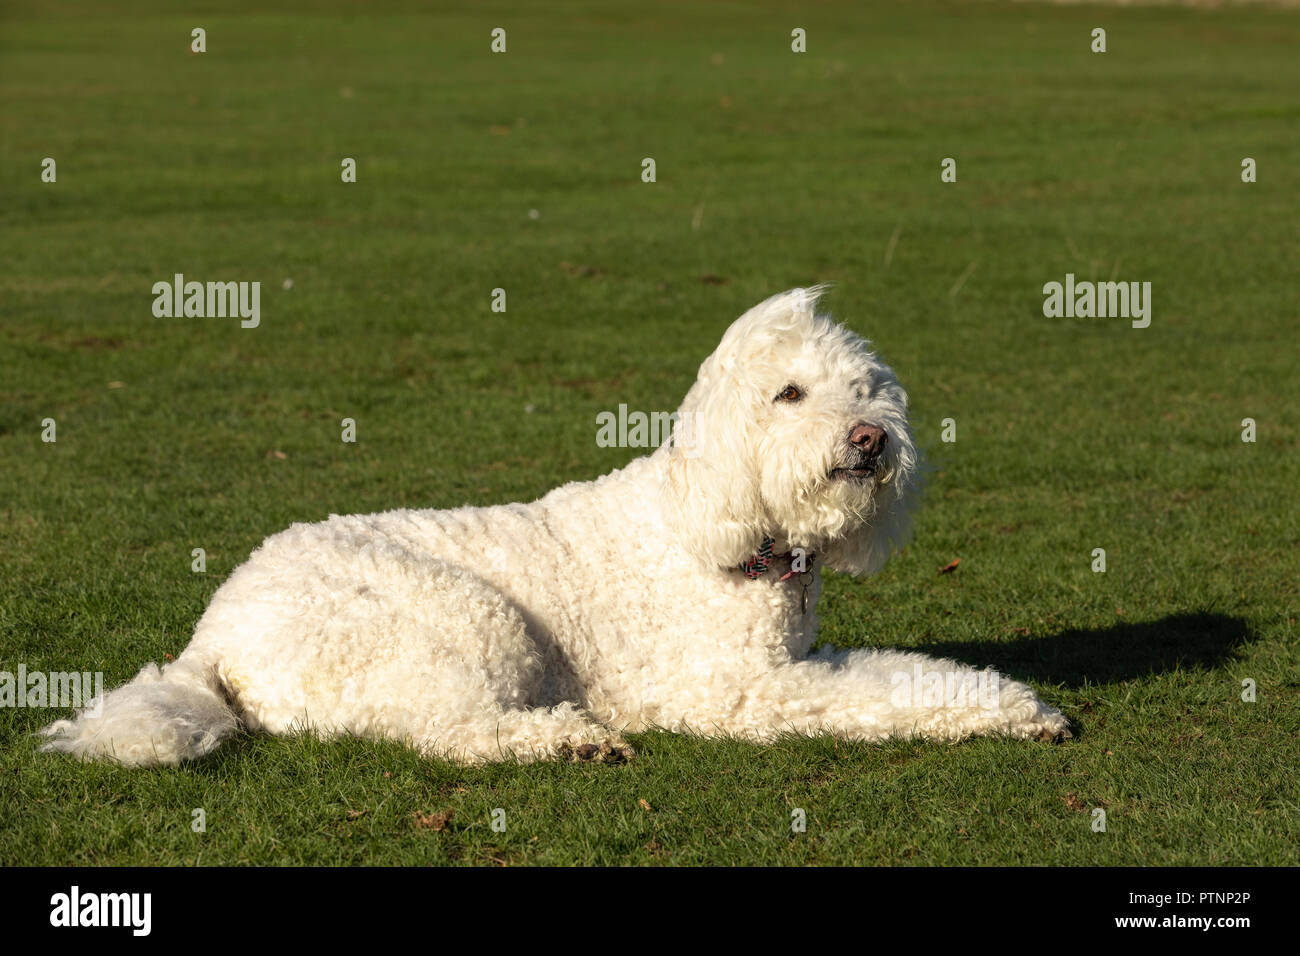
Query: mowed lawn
(522, 171)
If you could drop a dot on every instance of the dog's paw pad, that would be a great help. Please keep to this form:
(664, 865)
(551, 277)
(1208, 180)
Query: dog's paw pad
(1054, 731)
(616, 753)
(603, 752)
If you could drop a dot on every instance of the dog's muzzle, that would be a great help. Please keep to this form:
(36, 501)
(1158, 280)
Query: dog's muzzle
(866, 444)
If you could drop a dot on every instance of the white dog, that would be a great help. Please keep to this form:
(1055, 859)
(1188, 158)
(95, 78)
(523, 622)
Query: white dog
(679, 592)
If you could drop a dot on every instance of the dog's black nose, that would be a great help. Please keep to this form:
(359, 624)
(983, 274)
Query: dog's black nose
(870, 439)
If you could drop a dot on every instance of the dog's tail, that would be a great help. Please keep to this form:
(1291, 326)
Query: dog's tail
(163, 716)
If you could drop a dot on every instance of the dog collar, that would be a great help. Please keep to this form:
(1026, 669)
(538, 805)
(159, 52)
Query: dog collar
(758, 565)
(761, 563)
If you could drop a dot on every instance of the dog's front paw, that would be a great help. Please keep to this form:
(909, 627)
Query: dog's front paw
(1049, 725)
(606, 751)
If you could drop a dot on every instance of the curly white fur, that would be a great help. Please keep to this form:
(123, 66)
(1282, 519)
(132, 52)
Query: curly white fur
(606, 606)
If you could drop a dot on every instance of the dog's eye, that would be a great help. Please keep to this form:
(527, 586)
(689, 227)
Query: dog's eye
(791, 393)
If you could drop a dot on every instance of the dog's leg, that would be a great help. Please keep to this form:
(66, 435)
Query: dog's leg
(875, 694)
(529, 734)
(878, 693)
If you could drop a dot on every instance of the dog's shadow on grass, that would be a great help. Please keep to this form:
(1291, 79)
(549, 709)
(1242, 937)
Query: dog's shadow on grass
(1195, 640)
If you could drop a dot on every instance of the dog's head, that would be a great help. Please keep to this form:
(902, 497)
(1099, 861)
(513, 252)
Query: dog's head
(793, 430)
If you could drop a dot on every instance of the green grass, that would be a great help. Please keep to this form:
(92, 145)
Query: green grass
(774, 169)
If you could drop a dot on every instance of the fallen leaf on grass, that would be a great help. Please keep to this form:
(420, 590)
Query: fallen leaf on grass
(644, 805)
(433, 821)
(950, 566)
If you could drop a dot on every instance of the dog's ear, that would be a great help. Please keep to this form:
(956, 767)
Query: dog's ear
(867, 551)
(711, 485)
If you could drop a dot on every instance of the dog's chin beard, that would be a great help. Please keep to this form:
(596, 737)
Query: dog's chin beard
(850, 493)
(864, 475)
(822, 508)
(854, 467)
(854, 475)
